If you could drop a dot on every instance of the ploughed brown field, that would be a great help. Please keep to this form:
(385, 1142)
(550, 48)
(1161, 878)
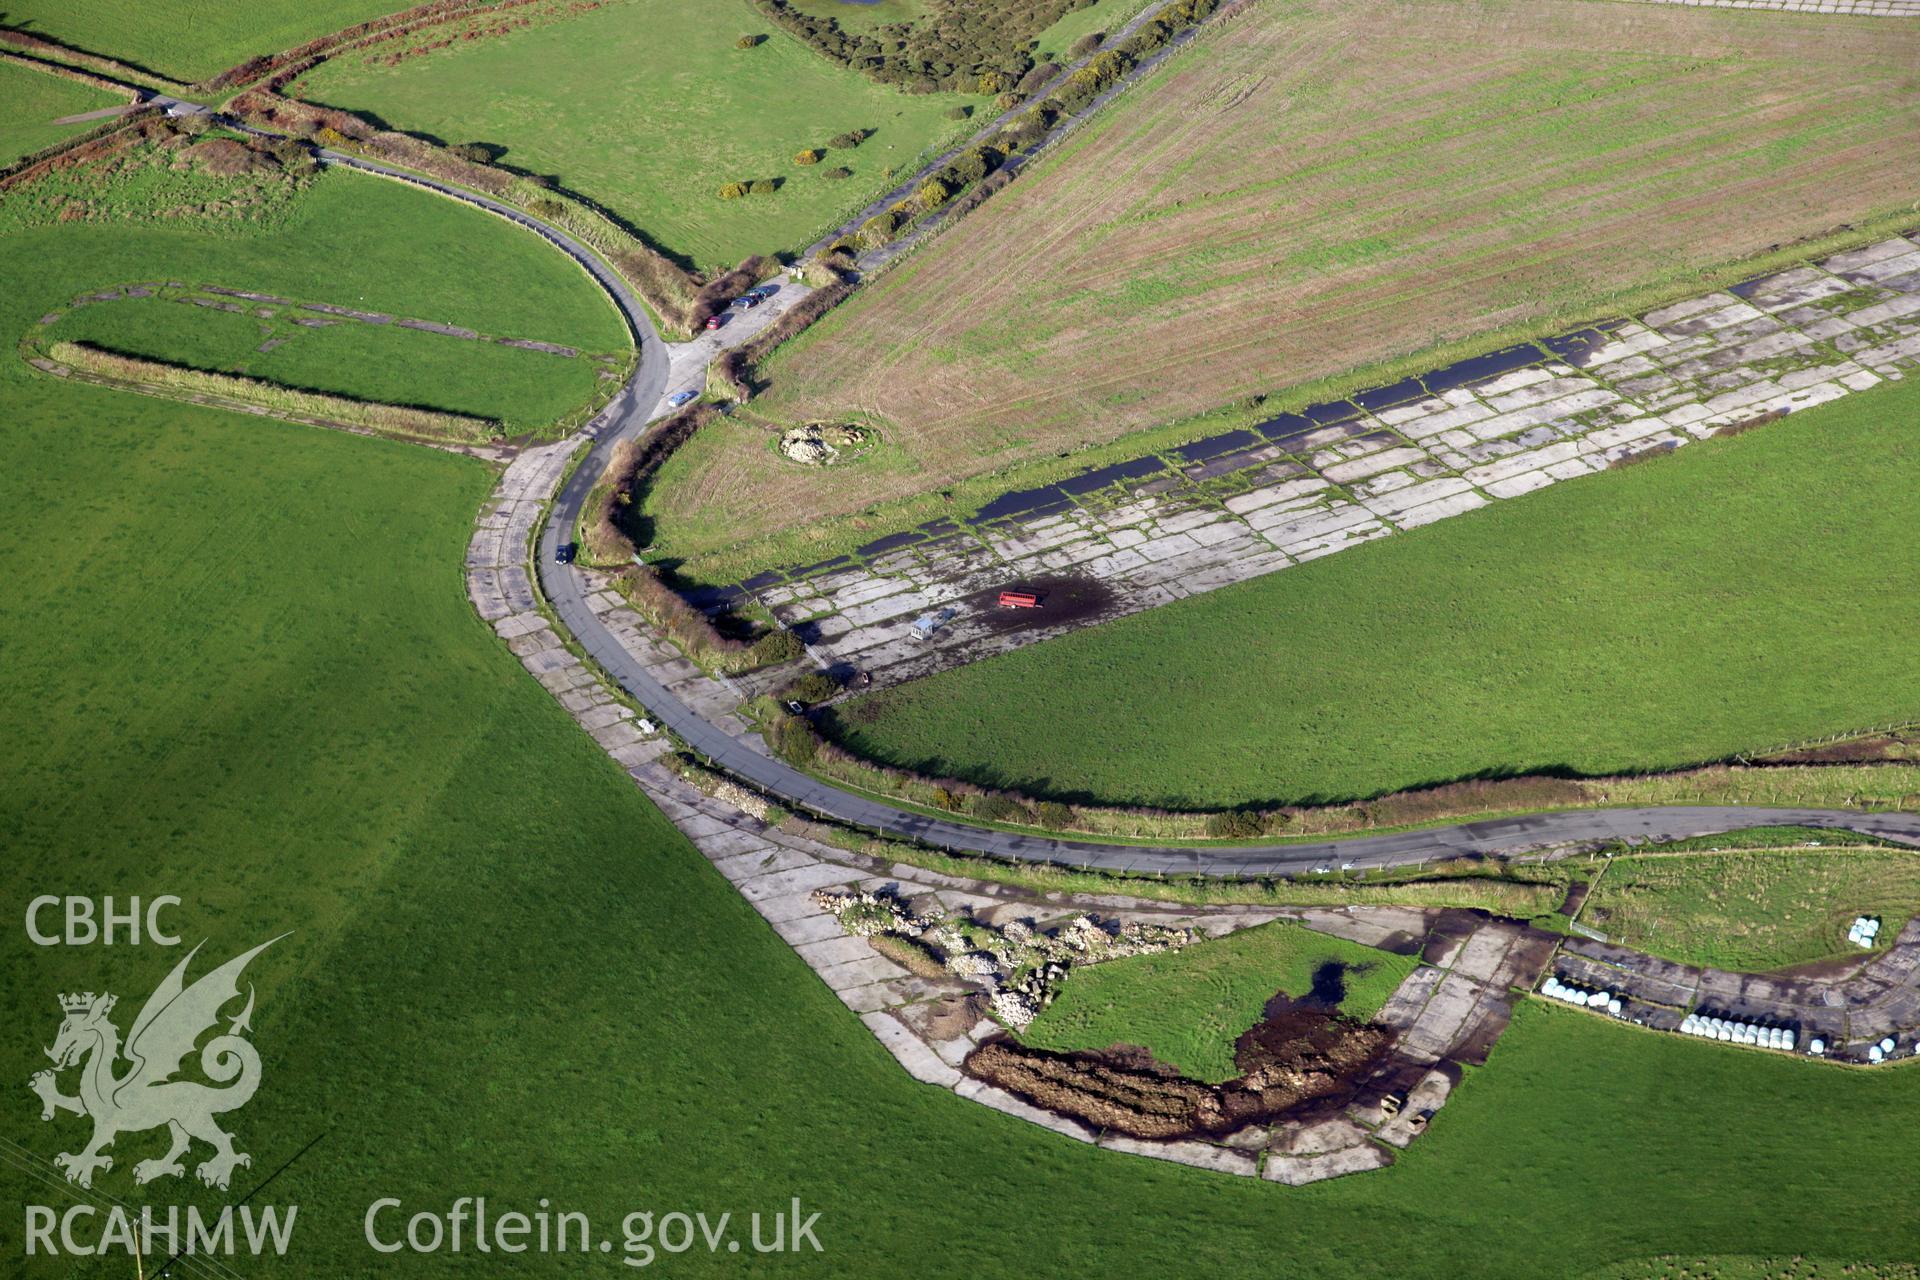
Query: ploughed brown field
(1313, 187)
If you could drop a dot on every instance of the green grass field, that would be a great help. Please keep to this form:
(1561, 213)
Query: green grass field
(1187, 1007)
(524, 390)
(1105, 16)
(188, 39)
(30, 102)
(240, 668)
(1753, 911)
(646, 107)
(1644, 619)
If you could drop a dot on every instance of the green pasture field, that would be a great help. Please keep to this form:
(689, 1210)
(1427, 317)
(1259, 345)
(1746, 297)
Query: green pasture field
(1187, 1007)
(646, 107)
(526, 391)
(1645, 619)
(30, 102)
(188, 39)
(1755, 910)
(240, 668)
(1105, 16)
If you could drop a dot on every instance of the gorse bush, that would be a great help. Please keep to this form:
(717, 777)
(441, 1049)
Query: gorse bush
(473, 152)
(763, 186)
(849, 140)
(749, 42)
(1053, 815)
(1036, 79)
(808, 156)
(1235, 824)
(732, 190)
(839, 172)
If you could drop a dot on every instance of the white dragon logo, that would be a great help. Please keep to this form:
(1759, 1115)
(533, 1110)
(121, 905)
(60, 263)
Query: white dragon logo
(147, 1096)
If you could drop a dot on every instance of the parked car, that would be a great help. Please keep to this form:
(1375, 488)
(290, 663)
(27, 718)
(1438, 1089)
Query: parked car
(717, 319)
(563, 554)
(680, 398)
(747, 301)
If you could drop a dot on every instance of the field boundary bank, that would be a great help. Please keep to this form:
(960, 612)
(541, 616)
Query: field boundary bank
(78, 75)
(30, 166)
(1470, 799)
(82, 362)
(1833, 8)
(43, 48)
(35, 348)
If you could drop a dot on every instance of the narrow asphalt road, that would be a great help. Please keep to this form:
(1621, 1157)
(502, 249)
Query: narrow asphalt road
(628, 414)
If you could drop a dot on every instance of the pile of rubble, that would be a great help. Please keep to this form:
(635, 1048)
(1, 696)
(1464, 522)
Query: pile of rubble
(1023, 965)
(818, 444)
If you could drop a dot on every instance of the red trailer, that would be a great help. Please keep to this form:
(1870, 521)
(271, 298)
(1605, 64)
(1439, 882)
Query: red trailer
(1019, 600)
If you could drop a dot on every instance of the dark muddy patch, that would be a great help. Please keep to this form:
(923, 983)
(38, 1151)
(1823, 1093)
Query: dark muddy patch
(1064, 601)
(1296, 1058)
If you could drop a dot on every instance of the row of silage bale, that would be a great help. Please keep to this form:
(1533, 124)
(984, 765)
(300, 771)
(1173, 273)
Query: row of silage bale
(1568, 993)
(1734, 1031)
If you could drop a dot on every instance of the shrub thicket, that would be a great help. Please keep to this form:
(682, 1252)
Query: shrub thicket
(849, 140)
(956, 46)
(815, 686)
(473, 152)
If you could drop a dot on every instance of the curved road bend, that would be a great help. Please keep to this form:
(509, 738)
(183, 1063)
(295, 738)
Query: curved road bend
(628, 414)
